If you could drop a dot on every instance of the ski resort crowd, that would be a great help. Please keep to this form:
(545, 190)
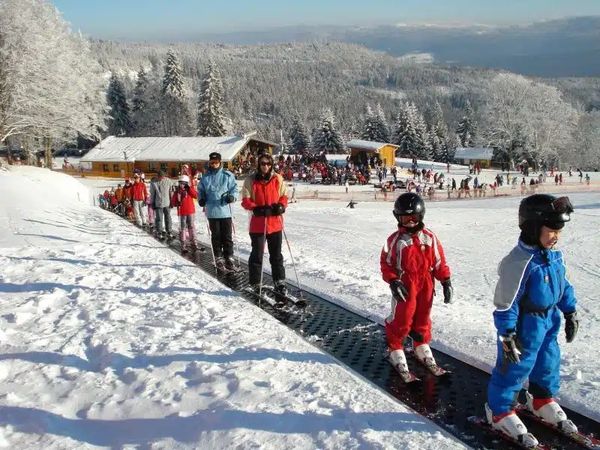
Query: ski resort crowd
(532, 295)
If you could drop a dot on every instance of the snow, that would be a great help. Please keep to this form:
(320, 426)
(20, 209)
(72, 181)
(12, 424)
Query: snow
(111, 340)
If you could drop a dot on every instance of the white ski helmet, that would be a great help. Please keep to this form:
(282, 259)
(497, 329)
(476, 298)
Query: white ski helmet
(184, 179)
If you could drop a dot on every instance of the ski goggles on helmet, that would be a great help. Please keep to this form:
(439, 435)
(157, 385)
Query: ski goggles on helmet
(410, 218)
(561, 212)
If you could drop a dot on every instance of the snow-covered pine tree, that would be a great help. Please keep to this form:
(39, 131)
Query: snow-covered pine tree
(467, 128)
(383, 130)
(298, 136)
(404, 133)
(211, 120)
(139, 104)
(369, 128)
(326, 139)
(119, 120)
(421, 142)
(175, 115)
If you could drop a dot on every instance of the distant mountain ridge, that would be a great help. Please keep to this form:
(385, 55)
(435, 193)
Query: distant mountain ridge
(567, 47)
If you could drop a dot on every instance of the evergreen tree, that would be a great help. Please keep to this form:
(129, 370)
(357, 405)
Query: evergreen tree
(421, 141)
(210, 104)
(383, 130)
(119, 120)
(174, 116)
(404, 133)
(298, 136)
(139, 102)
(467, 128)
(369, 128)
(326, 139)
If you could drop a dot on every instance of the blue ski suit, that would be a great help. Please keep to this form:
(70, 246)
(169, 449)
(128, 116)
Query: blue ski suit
(531, 293)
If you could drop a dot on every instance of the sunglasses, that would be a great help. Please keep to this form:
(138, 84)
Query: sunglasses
(214, 161)
(265, 163)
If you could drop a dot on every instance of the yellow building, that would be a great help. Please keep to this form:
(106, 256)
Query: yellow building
(361, 151)
(118, 156)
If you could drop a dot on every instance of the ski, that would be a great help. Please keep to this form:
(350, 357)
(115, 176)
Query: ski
(586, 440)
(482, 423)
(263, 296)
(287, 298)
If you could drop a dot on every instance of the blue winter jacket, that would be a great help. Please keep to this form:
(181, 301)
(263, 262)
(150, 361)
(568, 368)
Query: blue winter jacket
(214, 188)
(531, 280)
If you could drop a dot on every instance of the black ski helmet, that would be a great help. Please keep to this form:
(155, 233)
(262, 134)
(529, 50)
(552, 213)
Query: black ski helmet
(409, 204)
(540, 210)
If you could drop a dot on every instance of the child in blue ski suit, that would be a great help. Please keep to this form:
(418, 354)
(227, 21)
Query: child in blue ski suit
(531, 296)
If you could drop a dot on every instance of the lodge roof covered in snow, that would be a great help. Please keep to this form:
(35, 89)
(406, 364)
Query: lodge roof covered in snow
(483, 153)
(367, 145)
(174, 148)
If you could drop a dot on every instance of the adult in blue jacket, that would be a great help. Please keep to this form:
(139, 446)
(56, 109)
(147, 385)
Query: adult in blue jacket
(217, 191)
(531, 296)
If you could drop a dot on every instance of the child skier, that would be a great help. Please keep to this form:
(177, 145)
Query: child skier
(183, 199)
(411, 258)
(530, 296)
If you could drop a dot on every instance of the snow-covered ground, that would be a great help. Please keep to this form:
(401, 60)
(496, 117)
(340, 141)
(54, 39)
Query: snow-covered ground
(108, 339)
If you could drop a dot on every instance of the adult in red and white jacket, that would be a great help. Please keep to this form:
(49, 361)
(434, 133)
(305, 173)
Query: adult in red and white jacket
(265, 195)
(139, 194)
(183, 199)
(410, 260)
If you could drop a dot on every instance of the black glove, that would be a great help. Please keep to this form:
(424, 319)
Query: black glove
(277, 209)
(399, 291)
(448, 291)
(202, 202)
(511, 347)
(262, 211)
(229, 198)
(571, 326)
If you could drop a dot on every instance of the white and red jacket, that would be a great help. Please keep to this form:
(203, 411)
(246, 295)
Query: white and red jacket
(264, 193)
(139, 192)
(411, 257)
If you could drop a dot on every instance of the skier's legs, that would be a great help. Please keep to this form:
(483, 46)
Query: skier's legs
(168, 222)
(182, 230)
(421, 324)
(226, 236)
(544, 379)
(158, 220)
(507, 378)
(275, 257)
(397, 324)
(256, 257)
(191, 228)
(215, 236)
(138, 213)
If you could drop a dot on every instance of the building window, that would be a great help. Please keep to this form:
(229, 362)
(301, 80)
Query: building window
(115, 167)
(105, 167)
(152, 167)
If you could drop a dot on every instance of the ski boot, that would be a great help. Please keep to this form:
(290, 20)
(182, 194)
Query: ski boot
(425, 356)
(511, 425)
(230, 263)
(551, 412)
(281, 288)
(398, 360)
(220, 264)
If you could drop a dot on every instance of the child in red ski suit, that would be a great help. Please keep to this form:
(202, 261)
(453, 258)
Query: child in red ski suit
(410, 260)
(183, 199)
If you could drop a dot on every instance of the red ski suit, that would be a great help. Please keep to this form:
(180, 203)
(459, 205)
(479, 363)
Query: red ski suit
(416, 259)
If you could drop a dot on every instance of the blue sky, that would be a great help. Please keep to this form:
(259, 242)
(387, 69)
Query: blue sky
(172, 19)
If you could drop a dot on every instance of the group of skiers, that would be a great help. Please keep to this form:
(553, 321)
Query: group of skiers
(531, 296)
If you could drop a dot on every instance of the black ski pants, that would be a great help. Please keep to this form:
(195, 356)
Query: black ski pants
(220, 235)
(257, 254)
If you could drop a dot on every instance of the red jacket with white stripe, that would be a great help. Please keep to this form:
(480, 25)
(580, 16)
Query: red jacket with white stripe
(139, 192)
(413, 257)
(262, 193)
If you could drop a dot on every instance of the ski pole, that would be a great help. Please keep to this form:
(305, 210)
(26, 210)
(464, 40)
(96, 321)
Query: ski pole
(292, 257)
(236, 246)
(210, 238)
